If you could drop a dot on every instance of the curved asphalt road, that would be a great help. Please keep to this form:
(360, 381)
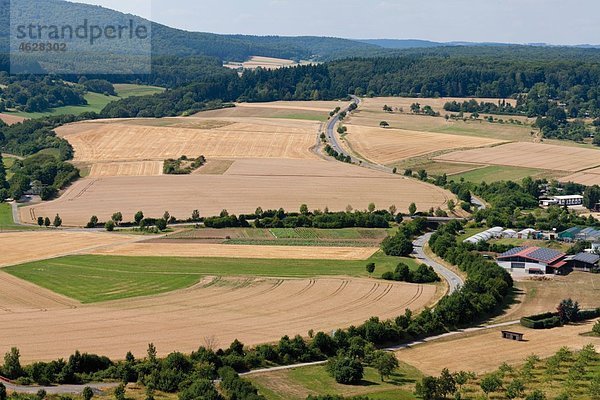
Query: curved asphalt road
(454, 281)
(332, 137)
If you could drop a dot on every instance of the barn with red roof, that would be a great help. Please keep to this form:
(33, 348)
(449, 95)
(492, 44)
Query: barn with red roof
(534, 260)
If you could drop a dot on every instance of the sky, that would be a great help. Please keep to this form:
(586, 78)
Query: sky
(508, 21)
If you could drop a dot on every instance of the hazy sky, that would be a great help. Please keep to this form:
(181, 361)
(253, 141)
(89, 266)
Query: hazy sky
(515, 21)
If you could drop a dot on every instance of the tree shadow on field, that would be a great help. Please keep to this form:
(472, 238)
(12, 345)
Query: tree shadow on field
(515, 297)
(395, 379)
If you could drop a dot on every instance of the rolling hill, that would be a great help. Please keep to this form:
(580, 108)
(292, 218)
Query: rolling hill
(167, 41)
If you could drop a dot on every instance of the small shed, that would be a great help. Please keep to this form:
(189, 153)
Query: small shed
(516, 336)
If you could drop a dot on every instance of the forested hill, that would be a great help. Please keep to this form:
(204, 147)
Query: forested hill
(168, 41)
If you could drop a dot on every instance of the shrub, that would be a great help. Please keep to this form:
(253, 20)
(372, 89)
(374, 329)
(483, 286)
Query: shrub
(345, 370)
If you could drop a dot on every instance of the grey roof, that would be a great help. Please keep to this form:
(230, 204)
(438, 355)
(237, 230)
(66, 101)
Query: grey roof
(587, 258)
(545, 255)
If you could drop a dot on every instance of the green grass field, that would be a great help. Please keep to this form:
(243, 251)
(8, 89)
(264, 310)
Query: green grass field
(6, 220)
(311, 233)
(349, 237)
(298, 383)
(497, 173)
(93, 278)
(125, 90)
(8, 163)
(96, 101)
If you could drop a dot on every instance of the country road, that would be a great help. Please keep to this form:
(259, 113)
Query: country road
(58, 389)
(334, 142)
(454, 281)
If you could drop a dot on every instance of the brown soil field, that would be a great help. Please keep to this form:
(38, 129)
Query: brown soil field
(485, 351)
(191, 249)
(21, 247)
(11, 119)
(252, 310)
(248, 184)
(268, 138)
(134, 168)
(530, 155)
(387, 146)
(588, 177)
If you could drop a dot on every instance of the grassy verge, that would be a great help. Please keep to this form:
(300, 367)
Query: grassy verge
(298, 383)
(6, 220)
(94, 278)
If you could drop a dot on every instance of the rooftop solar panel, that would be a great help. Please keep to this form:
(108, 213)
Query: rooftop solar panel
(512, 251)
(545, 255)
(587, 258)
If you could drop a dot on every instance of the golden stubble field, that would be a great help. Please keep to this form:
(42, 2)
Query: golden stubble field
(387, 146)
(254, 311)
(191, 249)
(11, 119)
(485, 351)
(588, 177)
(20, 247)
(530, 155)
(410, 136)
(246, 185)
(125, 141)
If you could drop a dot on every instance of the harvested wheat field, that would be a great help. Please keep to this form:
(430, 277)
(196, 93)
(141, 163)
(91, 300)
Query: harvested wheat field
(238, 251)
(536, 296)
(370, 114)
(20, 247)
(387, 146)
(10, 119)
(101, 142)
(472, 352)
(134, 168)
(247, 184)
(323, 106)
(252, 310)
(295, 110)
(530, 155)
(588, 177)
(377, 103)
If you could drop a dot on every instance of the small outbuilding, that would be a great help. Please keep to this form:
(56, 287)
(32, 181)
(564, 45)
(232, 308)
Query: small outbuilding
(516, 336)
(586, 262)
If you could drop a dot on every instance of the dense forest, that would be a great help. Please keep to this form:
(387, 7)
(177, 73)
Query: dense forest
(35, 94)
(542, 82)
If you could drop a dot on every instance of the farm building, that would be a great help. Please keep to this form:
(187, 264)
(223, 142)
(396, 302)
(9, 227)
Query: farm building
(534, 260)
(499, 232)
(586, 262)
(578, 233)
(528, 234)
(568, 201)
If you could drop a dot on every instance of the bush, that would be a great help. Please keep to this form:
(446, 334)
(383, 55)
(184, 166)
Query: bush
(397, 246)
(541, 321)
(596, 328)
(345, 370)
(110, 226)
